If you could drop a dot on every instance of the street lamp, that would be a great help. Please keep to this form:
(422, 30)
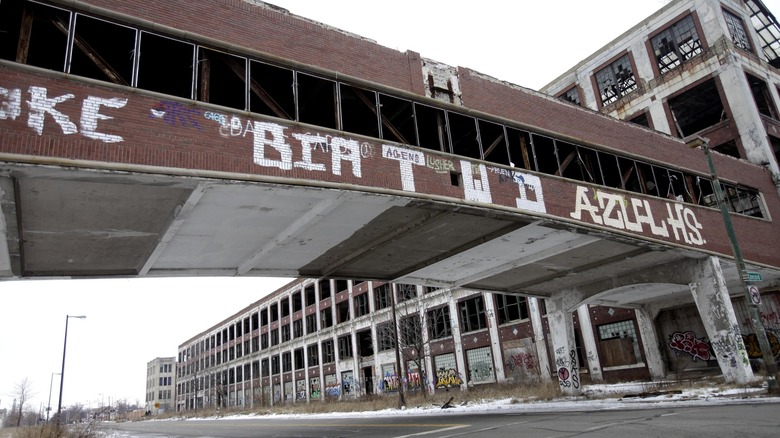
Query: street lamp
(48, 406)
(62, 372)
(694, 141)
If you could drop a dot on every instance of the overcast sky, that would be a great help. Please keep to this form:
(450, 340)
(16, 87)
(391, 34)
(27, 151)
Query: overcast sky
(131, 321)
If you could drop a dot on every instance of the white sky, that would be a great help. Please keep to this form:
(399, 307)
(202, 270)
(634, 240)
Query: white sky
(130, 322)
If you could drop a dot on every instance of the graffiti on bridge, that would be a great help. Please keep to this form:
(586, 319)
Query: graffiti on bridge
(688, 343)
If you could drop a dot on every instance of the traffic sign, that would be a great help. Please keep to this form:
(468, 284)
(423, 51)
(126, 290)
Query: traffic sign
(755, 296)
(753, 276)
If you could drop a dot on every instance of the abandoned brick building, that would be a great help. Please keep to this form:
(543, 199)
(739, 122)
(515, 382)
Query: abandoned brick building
(695, 67)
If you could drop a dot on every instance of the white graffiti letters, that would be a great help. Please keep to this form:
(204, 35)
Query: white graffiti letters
(611, 211)
(11, 107)
(261, 131)
(407, 158)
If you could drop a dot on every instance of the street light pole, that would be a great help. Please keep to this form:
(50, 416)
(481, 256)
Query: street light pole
(62, 372)
(48, 406)
(755, 316)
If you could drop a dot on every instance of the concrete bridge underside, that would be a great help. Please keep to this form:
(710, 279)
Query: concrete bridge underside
(71, 222)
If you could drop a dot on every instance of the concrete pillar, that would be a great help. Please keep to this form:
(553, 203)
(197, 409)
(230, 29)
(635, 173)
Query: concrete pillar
(717, 315)
(495, 339)
(653, 360)
(564, 345)
(589, 341)
(458, 341)
(540, 341)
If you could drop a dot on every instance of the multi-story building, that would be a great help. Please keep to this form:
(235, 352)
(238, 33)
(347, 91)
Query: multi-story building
(695, 67)
(160, 384)
(335, 339)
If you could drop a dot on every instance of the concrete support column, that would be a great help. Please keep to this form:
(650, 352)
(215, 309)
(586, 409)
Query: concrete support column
(717, 315)
(540, 340)
(564, 345)
(495, 344)
(458, 341)
(647, 332)
(589, 341)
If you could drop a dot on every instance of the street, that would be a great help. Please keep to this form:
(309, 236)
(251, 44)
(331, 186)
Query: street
(746, 419)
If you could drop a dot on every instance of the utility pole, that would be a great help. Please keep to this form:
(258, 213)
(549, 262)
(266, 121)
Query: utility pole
(755, 316)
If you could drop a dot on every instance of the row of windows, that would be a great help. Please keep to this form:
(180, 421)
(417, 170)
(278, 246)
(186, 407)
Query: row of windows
(98, 49)
(472, 318)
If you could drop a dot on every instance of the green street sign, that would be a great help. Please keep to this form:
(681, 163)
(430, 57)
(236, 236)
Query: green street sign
(753, 276)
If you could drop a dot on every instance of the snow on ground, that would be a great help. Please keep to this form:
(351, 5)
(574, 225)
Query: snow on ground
(595, 397)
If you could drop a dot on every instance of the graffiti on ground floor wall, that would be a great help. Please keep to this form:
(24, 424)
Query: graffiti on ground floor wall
(568, 370)
(447, 378)
(754, 349)
(687, 342)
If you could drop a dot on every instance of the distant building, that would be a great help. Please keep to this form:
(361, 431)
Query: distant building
(160, 383)
(706, 67)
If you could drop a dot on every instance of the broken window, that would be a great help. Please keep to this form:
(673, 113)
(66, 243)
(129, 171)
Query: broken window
(676, 44)
(520, 150)
(463, 133)
(697, 108)
(342, 310)
(345, 347)
(361, 305)
(431, 128)
(439, 325)
(761, 96)
(382, 297)
(741, 200)
(544, 154)
(296, 302)
(297, 328)
(472, 314)
(311, 296)
(359, 110)
(324, 289)
(641, 120)
(737, 30)
(572, 95)
(364, 343)
(312, 351)
(103, 50)
(610, 170)
(577, 163)
(299, 360)
(274, 364)
(286, 333)
(510, 308)
(328, 353)
(767, 29)
(397, 120)
(284, 305)
(263, 318)
(385, 334)
(311, 323)
(274, 337)
(271, 90)
(493, 140)
(616, 80)
(326, 317)
(316, 100)
(221, 78)
(406, 292)
(34, 34)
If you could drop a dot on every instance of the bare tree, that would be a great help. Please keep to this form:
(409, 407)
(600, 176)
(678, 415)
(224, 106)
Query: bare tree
(22, 393)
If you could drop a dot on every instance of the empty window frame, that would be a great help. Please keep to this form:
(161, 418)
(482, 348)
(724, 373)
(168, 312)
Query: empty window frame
(324, 289)
(492, 138)
(274, 365)
(274, 309)
(641, 120)
(274, 337)
(299, 359)
(438, 321)
(312, 351)
(272, 90)
(382, 296)
(284, 306)
(762, 97)
(676, 44)
(222, 78)
(737, 30)
(616, 80)
(285, 332)
(767, 29)
(326, 317)
(328, 353)
(463, 135)
(510, 308)
(406, 292)
(361, 305)
(397, 120)
(311, 323)
(364, 343)
(34, 34)
(741, 200)
(263, 318)
(385, 336)
(411, 332)
(431, 128)
(102, 50)
(297, 328)
(345, 347)
(544, 155)
(472, 314)
(316, 98)
(359, 112)
(297, 304)
(286, 362)
(520, 149)
(310, 294)
(342, 311)
(697, 108)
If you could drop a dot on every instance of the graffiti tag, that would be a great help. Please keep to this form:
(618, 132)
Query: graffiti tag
(688, 343)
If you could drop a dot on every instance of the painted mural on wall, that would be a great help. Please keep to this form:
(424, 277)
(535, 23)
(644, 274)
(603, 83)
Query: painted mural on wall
(332, 387)
(448, 378)
(520, 362)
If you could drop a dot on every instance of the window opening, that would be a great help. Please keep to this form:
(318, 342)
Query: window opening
(297, 328)
(296, 302)
(572, 95)
(314, 356)
(324, 289)
(361, 305)
(737, 30)
(342, 310)
(439, 325)
(520, 149)
(431, 128)
(463, 135)
(616, 80)
(762, 97)
(311, 296)
(359, 111)
(676, 44)
(326, 318)
(397, 116)
(472, 314)
(328, 354)
(510, 308)
(34, 34)
(406, 292)
(544, 154)
(767, 29)
(102, 50)
(697, 109)
(641, 120)
(284, 305)
(299, 359)
(382, 297)
(316, 100)
(311, 323)
(272, 90)
(618, 344)
(364, 343)
(728, 148)
(221, 78)
(345, 347)
(385, 336)
(493, 140)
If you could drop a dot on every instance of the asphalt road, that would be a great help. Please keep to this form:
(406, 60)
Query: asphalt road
(739, 420)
